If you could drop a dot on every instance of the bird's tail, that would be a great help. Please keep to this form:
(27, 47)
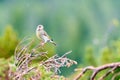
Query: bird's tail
(53, 42)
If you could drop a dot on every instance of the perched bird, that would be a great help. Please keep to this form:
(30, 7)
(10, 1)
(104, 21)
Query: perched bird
(42, 35)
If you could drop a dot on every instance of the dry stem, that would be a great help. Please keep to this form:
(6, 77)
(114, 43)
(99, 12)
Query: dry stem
(96, 70)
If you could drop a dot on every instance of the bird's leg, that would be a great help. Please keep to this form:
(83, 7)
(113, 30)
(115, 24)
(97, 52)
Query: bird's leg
(42, 44)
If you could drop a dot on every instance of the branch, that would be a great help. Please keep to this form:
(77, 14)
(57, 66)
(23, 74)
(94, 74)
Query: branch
(110, 71)
(96, 70)
(117, 74)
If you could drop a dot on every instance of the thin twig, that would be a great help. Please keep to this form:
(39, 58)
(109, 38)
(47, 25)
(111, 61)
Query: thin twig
(117, 74)
(110, 71)
(84, 71)
(96, 70)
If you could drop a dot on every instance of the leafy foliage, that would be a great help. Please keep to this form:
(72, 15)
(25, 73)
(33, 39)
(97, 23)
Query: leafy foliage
(90, 59)
(109, 55)
(8, 42)
(3, 68)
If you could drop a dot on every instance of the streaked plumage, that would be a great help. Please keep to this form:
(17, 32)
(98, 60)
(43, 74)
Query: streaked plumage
(42, 35)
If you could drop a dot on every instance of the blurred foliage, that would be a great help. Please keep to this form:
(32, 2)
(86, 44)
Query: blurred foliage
(72, 24)
(5, 65)
(90, 58)
(8, 42)
(3, 68)
(48, 47)
(109, 54)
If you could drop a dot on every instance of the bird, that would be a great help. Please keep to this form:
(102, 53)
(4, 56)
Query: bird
(43, 36)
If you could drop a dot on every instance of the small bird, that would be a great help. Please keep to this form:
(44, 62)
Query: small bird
(42, 35)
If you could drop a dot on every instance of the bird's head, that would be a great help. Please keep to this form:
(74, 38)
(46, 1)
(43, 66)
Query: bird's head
(40, 27)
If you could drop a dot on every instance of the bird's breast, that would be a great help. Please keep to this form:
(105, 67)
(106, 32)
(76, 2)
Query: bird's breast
(38, 35)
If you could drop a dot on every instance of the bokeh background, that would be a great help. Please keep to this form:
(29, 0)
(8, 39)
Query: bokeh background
(89, 28)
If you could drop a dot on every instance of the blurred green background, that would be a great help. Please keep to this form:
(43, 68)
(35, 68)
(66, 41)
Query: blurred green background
(86, 27)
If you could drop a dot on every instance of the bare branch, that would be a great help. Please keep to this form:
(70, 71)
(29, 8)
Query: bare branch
(55, 62)
(117, 74)
(25, 53)
(96, 70)
(110, 71)
(84, 71)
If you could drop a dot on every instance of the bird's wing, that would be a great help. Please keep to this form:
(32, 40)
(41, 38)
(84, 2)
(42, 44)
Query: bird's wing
(50, 40)
(45, 34)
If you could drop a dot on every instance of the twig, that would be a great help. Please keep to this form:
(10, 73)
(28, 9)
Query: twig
(25, 53)
(84, 71)
(117, 74)
(96, 70)
(110, 71)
